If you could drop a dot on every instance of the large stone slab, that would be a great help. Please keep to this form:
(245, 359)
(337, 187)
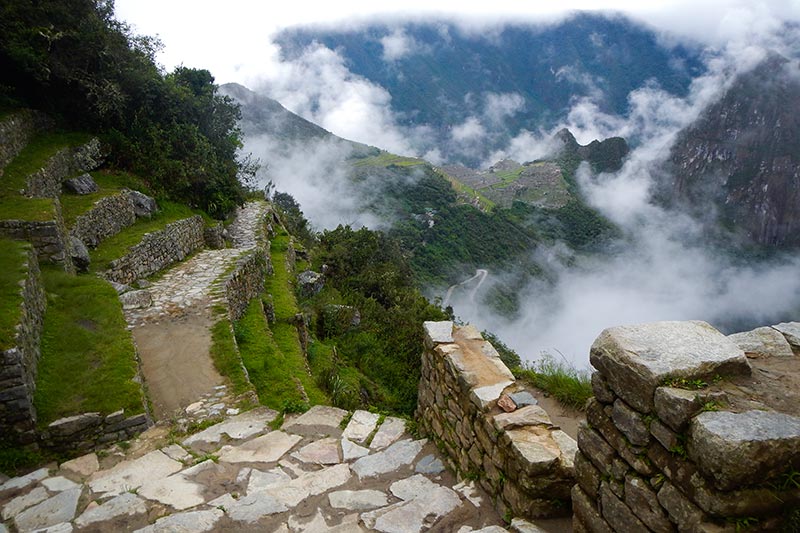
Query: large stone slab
(309, 484)
(323, 452)
(424, 503)
(530, 415)
(763, 342)
(262, 480)
(58, 484)
(129, 475)
(438, 333)
(21, 482)
(736, 449)
(239, 427)
(319, 420)
(361, 425)
(396, 456)
(635, 360)
(391, 430)
(250, 508)
(189, 522)
(483, 397)
(351, 450)
(20, 503)
(357, 500)
(126, 504)
(60, 508)
(178, 491)
(265, 449)
(535, 450)
(791, 331)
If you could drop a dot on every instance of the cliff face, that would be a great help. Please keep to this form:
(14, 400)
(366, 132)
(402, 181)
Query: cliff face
(743, 154)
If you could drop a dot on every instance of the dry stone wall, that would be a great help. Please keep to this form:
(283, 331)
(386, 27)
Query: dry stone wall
(158, 250)
(245, 282)
(18, 364)
(16, 130)
(89, 431)
(46, 182)
(520, 457)
(106, 218)
(50, 237)
(688, 433)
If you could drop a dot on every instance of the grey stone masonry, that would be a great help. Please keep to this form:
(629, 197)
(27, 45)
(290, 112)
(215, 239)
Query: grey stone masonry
(106, 218)
(48, 237)
(158, 250)
(246, 281)
(88, 431)
(19, 363)
(686, 433)
(522, 460)
(16, 130)
(46, 182)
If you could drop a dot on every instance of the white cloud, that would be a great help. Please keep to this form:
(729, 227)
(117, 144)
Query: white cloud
(499, 106)
(397, 45)
(469, 131)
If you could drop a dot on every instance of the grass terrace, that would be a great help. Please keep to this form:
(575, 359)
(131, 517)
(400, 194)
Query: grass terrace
(571, 387)
(85, 343)
(108, 182)
(12, 272)
(386, 159)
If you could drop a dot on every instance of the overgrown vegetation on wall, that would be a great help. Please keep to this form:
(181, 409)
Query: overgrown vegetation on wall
(75, 61)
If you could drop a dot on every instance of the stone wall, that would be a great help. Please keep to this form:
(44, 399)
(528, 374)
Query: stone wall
(49, 237)
(46, 182)
(158, 250)
(245, 282)
(18, 364)
(521, 459)
(106, 218)
(16, 130)
(88, 431)
(687, 433)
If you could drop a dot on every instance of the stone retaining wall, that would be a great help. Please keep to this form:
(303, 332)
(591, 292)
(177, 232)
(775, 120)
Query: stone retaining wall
(46, 182)
(521, 459)
(106, 218)
(88, 431)
(686, 433)
(49, 237)
(16, 130)
(18, 364)
(158, 250)
(245, 282)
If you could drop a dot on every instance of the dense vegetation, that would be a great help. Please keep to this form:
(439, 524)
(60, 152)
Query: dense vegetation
(75, 61)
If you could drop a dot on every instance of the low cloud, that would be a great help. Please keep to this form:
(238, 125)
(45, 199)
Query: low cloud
(499, 106)
(397, 45)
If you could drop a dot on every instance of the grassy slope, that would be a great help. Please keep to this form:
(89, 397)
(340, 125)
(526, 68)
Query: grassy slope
(272, 354)
(85, 345)
(109, 183)
(12, 272)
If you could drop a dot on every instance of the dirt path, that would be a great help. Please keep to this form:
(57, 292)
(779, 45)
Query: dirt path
(172, 333)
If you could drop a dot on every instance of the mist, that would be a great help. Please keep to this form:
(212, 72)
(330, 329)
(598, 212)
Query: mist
(662, 267)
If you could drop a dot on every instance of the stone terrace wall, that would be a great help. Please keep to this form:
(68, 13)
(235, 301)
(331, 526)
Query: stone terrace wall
(46, 182)
(89, 431)
(686, 434)
(16, 130)
(49, 237)
(521, 459)
(157, 250)
(245, 282)
(106, 218)
(18, 364)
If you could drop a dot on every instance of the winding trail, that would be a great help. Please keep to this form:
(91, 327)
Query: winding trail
(479, 273)
(173, 333)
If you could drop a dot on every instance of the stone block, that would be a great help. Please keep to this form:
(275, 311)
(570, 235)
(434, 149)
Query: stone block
(681, 511)
(675, 407)
(791, 331)
(533, 449)
(65, 427)
(585, 512)
(635, 360)
(736, 449)
(664, 435)
(587, 476)
(617, 514)
(531, 415)
(602, 455)
(82, 185)
(596, 415)
(485, 397)
(630, 423)
(762, 342)
(601, 390)
(438, 333)
(643, 501)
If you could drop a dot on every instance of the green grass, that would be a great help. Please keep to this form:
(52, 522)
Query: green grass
(465, 191)
(571, 387)
(88, 360)
(12, 272)
(385, 159)
(508, 177)
(225, 356)
(272, 370)
(118, 245)
(109, 183)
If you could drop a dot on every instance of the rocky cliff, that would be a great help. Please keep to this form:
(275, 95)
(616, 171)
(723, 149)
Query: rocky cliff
(743, 155)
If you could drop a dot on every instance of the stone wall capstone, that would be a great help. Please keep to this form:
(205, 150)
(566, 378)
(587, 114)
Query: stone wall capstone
(19, 363)
(158, 250)
(520, 457)
(687, 433)
(46, 182)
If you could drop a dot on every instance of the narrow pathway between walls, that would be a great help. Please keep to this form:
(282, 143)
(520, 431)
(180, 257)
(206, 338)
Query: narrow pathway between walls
(173, 333)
